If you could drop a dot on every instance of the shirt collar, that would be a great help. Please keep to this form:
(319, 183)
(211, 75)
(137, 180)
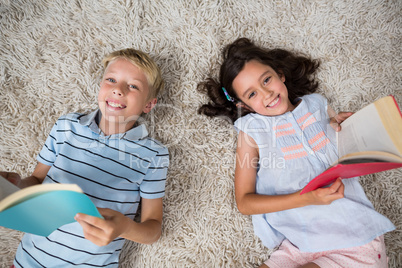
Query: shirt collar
(300, 107)
(92, 119)
(301, 104)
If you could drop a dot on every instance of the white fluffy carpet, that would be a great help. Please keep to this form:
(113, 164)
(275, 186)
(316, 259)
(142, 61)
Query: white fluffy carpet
(50, 54)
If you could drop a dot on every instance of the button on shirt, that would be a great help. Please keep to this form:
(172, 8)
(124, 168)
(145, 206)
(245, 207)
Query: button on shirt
(294, 148)
(113, 171)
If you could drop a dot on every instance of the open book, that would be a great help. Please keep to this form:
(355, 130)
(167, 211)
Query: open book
(370, 141)
(42, 208)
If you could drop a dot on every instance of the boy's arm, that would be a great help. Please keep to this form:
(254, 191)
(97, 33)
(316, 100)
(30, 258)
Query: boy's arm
(103, 231)
(150, 228)
(249, 202)
(37, 176)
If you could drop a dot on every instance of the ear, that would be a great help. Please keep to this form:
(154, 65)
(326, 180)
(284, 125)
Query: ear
(282, 76)
(244, 106)
(151, 104)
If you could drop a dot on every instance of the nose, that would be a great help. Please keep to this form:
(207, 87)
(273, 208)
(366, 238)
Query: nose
(267, 93)
(117, 90)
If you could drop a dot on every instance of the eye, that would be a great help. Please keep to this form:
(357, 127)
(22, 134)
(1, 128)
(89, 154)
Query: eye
(111, 80)
(252, 94)
(133, 87)
(266, 80)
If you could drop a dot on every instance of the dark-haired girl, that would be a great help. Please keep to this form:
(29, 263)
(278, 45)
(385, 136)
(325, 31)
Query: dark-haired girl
(285, 140)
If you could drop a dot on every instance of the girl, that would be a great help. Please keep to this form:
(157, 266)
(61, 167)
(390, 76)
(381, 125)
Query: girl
(285, 141)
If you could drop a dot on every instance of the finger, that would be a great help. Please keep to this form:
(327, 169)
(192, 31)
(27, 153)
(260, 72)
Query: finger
(338, 189)
(106, 212)
(341, 189)
(92, 233)
(335, 186)
(97, 240)
(91, 220)
(339, 118)
(94, 239)
(342, 116)
(334, 124)
(86, 226)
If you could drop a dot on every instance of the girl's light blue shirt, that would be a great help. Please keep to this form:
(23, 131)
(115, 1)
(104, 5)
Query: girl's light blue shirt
(294, 148)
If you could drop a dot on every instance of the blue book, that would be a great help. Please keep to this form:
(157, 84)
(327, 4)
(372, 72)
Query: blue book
(42, 208)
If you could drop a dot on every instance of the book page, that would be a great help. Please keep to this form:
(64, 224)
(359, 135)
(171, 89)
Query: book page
(364, 131)
(6, 188)
(371, 157)
(391, 117)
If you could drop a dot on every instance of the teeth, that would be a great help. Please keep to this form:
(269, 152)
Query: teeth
(115, 105)
(273, 102)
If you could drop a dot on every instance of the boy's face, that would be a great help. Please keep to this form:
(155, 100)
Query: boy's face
(123, 96)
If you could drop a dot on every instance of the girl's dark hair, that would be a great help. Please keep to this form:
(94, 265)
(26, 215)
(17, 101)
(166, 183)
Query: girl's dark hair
(298, 71)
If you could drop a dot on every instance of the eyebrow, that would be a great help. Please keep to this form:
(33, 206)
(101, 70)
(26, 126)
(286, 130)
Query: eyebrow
(112, 73)
(261, 77)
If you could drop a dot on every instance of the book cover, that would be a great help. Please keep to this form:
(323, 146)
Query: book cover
(40, 210)
(347, 171)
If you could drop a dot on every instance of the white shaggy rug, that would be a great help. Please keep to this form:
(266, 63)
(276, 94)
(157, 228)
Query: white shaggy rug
(50, 54)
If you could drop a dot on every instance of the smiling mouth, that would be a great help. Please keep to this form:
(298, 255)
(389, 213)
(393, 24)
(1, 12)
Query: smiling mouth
(115, 105)
(274, 102)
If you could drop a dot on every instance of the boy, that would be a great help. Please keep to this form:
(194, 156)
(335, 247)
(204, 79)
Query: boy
(111, 158)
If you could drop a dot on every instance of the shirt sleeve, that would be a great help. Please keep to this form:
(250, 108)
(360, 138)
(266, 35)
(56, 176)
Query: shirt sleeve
(320, 100)
(153, 185)
(244, 124)
(48, 153)
(253, 125)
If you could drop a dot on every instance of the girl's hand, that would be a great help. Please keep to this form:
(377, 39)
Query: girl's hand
(325, 196)
(338, 119)
(12, 177)
(103, 231)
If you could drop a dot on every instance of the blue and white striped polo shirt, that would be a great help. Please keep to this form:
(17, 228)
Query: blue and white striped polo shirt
(114, 171)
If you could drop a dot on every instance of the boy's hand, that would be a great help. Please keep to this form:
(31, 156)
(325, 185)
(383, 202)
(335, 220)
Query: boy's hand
(103, 231)
(325, 196)
(12, 177)
(338, 119)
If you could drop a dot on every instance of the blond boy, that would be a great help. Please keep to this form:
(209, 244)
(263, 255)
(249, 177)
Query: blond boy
(110, 156)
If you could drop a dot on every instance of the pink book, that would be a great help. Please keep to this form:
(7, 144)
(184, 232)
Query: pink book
(370, 141)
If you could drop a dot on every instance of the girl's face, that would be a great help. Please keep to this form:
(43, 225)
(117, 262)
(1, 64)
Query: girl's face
(262, 90)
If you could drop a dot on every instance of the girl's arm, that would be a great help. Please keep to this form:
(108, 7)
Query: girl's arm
(103, 231)
(248, 202)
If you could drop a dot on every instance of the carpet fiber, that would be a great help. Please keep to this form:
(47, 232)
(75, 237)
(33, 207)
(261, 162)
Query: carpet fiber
(50, 65)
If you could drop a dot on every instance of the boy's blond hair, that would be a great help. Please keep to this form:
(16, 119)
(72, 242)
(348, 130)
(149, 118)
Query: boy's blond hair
(143, 61)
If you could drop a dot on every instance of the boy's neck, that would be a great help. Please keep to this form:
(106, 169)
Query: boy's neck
(112, 128)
